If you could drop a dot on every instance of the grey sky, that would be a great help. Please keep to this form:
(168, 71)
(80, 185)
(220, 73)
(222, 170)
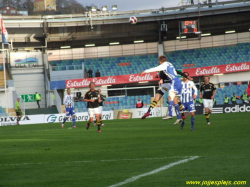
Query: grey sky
(125, 5)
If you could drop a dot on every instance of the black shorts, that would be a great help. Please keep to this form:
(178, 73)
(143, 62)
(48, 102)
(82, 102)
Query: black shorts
(18, 113)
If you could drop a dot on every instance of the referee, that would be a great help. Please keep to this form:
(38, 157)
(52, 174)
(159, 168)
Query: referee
(207, 92)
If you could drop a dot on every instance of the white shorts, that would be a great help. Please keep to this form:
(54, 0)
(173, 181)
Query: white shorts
(100, 109)
(164, 87)
(93, 111)
(208, 103)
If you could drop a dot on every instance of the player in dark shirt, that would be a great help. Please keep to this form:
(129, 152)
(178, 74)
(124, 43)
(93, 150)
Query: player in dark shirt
(207, 92)
(102, 99)
(92, 97)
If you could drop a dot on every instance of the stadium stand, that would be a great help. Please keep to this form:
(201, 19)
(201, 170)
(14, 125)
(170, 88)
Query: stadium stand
(229, 91)
(182, 59)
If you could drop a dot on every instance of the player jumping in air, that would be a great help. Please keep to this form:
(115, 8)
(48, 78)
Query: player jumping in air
(174, 90)
(189, 93)
(68, 101)
(207, 92)
(92, 97)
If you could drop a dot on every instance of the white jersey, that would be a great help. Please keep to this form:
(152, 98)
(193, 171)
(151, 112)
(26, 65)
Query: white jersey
(68, 101)
(188, 90)
(167, 68)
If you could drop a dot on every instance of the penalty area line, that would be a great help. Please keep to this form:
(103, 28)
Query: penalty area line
(134, 178)
(89, 161)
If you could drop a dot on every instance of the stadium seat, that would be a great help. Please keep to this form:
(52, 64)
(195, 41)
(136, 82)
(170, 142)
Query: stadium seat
(182, 59)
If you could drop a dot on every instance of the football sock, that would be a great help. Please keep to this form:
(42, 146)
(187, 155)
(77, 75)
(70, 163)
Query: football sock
(99, 123)
(152, 105)
(177, 111)
(64, 120)
(207, 116)
(181, 107)
(170, 107)
(192, 122)
(74, 121)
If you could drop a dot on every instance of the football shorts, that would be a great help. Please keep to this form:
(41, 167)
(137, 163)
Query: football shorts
(93, 111)
(208, 103)
(176, 86)
(163, 88)
(70, 112)
(100, 109)
(189, 106)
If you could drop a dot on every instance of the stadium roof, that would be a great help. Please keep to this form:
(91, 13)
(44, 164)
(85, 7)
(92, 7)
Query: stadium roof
(114, 26)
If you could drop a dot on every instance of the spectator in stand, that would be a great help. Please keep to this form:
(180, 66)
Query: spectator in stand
(201, 101)
(244, 97)
(139, 103)
(97, 74)
(248, 91)
(214, 102)
(90, 73)
(226, 100)
(233, 99)
(78, 96)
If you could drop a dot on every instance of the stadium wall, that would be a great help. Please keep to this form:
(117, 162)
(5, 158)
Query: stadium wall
(148, 48)
(231, 77)
(208, 41)
(9, 101)
(106, 51)
(29, 81)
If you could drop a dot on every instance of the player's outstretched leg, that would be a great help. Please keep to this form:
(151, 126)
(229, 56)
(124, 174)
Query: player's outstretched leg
(207, 116)
(170, 110)
(74, 121)
(182, 110)
(192, 123)
(99, 124)
(88, 124)
(182, 124)
(151, 107)
(64, 120)
(178, 114)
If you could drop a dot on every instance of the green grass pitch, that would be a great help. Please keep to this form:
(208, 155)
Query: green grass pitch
(45, 155)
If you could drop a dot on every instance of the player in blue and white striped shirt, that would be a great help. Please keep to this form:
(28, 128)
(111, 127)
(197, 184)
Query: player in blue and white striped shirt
(189, 93)
(175, 88)
(68, 101)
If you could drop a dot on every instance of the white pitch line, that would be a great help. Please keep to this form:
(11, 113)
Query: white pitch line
(132, 179)
(89, 161)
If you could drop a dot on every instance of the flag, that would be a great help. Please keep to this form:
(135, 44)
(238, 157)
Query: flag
(4, 33)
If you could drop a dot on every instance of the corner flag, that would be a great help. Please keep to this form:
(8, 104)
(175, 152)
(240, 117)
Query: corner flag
(4, 33)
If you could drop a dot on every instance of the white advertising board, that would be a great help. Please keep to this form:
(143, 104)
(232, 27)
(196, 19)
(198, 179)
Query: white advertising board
(139, 112)
(25, 120)
(83, 116)
(26, 58)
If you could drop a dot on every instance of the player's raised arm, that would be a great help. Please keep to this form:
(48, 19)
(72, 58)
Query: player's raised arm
(161, 67)
(183, 74)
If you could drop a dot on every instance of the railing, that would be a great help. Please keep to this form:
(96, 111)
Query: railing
(66, 67)
(58, 101)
